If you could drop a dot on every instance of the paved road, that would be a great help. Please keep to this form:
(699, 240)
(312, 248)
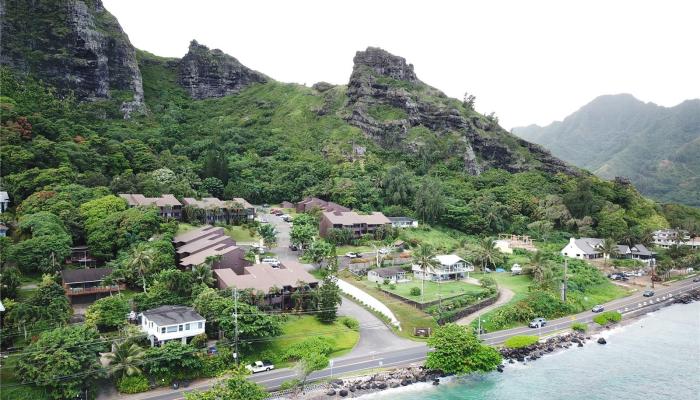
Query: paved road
(416, 354)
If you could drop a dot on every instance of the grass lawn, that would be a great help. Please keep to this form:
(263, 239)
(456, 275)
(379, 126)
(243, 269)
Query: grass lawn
(240, 234)
(299, 328)
(442, 239)
(409, 316)
(434, 290)
(341, 250)
(183, 227)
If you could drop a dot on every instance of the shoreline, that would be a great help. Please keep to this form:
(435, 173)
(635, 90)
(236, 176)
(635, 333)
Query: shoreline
(405, 377)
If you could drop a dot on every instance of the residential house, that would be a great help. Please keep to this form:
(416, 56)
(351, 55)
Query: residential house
(167, 323)
(4, 201)
(88, 281)
(273, 282)
(287, 204)
(666, 238)
(403, 222)
(357, 224)
(583, 248)
(81, 255)
(168, 206)
(636, 252)
(444, 268)
(392, 274)
(195, 247)
(222, 212)
(242, 210)
(310, 203)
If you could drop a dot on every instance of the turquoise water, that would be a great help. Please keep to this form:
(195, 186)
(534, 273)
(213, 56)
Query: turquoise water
(656, 357)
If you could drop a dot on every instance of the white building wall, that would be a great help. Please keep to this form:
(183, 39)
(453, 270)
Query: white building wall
(153, 329)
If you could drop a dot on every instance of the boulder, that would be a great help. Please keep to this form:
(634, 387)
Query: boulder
(602, 341)
(331, 392)
(343, 393)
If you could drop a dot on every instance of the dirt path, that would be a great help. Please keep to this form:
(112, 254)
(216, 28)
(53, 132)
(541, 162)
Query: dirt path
(505, 297)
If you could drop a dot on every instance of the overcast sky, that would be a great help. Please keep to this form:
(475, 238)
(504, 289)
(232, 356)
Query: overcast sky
(529, 61)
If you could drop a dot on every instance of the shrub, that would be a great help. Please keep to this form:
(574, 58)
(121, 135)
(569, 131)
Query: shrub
(351, 323)
(213, 366)
(392, 286)
(320, 345)
(290, 384)
(608, 316)
(132, 384)
(579, 326)
(415, 291)
(516, 342)
(199, 341)
(386, 282)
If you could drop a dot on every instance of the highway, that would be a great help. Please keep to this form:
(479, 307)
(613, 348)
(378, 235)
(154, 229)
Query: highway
(416, 354)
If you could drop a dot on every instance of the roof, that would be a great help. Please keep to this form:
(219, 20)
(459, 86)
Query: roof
(201, 256)
(209, 240)
(206, 202)
(171, 315)
(198, 233)
(136, 199)
(387, 272)
(84, 275)
(401, 219)
(311, 202)
(4, 196)
(243, 202)
(641, 250)
(448, 259)
(262, 277)
(589, 245)
(349, 218)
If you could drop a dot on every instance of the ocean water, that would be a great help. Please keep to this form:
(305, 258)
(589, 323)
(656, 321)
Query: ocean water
(656, 357)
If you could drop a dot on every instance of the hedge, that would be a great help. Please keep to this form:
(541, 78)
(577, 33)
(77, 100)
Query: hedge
(132, 384)
(579, 326)
(516, 342)
(608, 316)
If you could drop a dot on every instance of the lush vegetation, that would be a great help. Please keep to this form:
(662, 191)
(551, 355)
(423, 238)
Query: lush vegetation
(607, 317)
(518, 341)
(457, 351)
(435, 290)
(579, 327)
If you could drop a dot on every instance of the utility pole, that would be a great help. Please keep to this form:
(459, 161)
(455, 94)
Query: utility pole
(564, 282)
(235, 321)
(653, 271)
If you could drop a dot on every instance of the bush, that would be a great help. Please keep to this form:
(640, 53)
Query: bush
(606, 317)
(392, 286)
(351, 323)
(132, 384)
(579, 326)
(415, 291)
(199, 341)
(320, 345)
(213, 366)
(519, 341)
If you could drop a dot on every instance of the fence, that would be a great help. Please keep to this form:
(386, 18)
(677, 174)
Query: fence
(469, 310)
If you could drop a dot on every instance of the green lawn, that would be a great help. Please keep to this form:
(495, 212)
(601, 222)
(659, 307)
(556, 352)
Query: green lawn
(341, 250)
(442, 239)
(409, 316)
(240, 234)
(299, 328)
(433, 290)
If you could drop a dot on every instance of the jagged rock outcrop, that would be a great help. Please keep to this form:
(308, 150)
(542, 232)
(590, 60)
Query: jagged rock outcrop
(75, 45)
(206, 73)
(382, 82)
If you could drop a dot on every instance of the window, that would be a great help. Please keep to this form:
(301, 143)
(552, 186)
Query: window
(199, 325)
(172, 329)
(162, 330)
(187, 327)
(179, 328)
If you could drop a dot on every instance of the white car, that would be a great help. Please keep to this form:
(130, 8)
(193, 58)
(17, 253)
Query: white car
(271, 260)
(352, 255)
(260, 366)
(383, 251)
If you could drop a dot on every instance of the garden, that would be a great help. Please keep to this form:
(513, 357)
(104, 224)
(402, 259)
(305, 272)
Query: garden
(433, 291)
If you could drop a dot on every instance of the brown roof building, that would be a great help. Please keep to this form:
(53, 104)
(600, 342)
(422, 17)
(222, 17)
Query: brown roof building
(77, 282)
(358, 224)
(220, 211)
(263, 277)
(310, 203)
(196, 246)
(167, 204)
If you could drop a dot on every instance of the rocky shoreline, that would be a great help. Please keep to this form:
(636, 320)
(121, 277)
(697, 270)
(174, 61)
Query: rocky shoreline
(359, 386)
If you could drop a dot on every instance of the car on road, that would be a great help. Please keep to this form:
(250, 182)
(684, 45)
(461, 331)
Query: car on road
(598, 308)
(696, 279)
(537, 323)
(618, 277)
(352, 255)
(263, 220)
(648, 293)
(260, 366)
(271, 260)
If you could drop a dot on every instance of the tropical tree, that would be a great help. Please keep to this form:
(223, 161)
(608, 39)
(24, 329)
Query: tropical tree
(487, 253)
(423, 257)
(328, 299)
(236, 387)
(202, 274)
(141, 260)
(125, 360)
(268, 233)
(457, 351)
(429, 200)
(609, 249)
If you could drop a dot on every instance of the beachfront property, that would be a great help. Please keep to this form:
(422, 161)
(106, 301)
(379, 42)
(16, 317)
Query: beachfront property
(215, 211)
(666, 238)
(507, 242)
(272, 281)
(357, 224)
(197, 246)
(168, 206)
(311, 203)
(592, 248)
(391, 274)
(88, 281)
(403, 222)
(444, 268)
(167, 323)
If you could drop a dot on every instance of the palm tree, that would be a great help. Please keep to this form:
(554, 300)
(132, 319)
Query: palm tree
(141, 261)
(125, 359)
(609, 249)
(202, 274)
(423, 257)
(269, 234)
(488, 253)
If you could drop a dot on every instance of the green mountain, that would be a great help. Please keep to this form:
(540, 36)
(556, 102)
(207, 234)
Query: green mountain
(207, 124)
(655, 147)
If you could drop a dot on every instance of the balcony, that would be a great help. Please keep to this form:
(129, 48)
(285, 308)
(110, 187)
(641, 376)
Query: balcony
(79, 291)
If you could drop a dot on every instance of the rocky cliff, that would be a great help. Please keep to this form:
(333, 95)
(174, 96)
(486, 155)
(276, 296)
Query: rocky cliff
(391, 105)
(76, 45)
(208, 73)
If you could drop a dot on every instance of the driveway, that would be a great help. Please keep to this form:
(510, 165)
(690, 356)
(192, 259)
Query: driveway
(505, 295)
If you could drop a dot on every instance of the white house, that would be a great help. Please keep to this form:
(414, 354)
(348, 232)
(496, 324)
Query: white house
(444, 268)
(171, 323)
(4, 201)
(392, 274)
(583, 249)
(403, 222)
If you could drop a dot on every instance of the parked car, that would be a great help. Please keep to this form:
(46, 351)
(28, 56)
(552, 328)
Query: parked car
(212, 350)
(648, 293)
(696, 279)
(263, 220)
(260, 366)
(598, 308)
(265, 205)
(352, 255)
(537, 323)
